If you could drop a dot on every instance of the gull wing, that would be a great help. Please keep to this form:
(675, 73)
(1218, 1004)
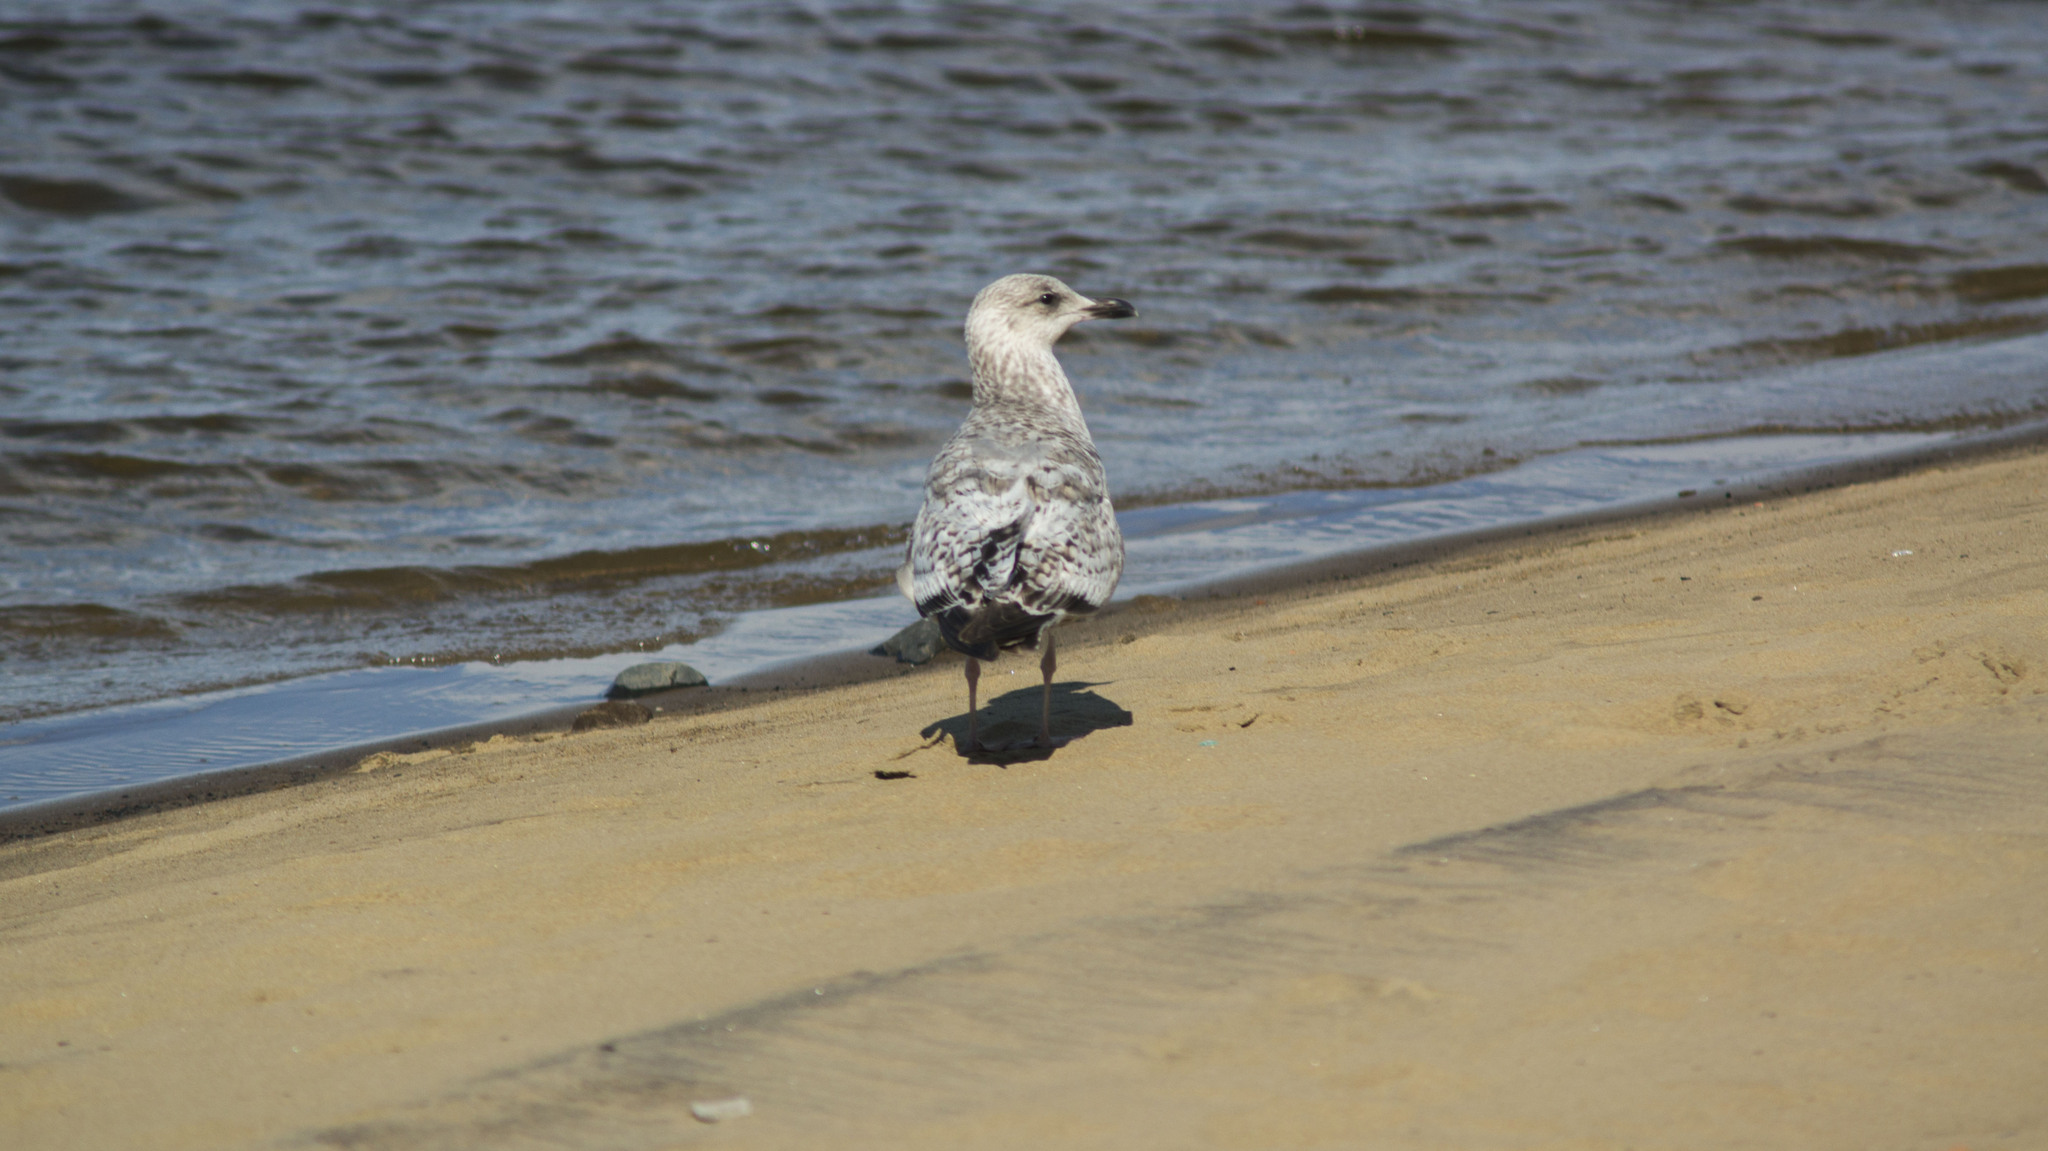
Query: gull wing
(964, 546)
(1011, 537)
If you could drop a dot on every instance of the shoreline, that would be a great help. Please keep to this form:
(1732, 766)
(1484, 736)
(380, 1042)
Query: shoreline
(1722, 825)
(857, 665)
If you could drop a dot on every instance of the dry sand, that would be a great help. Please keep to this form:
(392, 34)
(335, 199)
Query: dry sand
(1719, 830)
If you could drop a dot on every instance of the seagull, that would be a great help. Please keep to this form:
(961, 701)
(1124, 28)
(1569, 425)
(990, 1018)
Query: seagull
(1016, 532)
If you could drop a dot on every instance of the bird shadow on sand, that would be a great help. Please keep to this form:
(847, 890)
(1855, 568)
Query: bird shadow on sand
(1012, 719)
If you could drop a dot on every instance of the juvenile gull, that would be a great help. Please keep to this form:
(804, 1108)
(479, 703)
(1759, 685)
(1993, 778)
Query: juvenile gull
(1016, 531)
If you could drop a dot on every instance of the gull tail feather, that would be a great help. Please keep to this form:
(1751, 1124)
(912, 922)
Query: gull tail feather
(986, 628)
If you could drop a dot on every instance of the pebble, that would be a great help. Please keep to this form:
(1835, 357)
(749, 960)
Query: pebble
(658, 675)
(916, 644)
(718, 1110)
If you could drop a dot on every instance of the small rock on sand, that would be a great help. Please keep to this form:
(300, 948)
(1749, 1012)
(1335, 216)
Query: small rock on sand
(716, 1110)
(659, 675)
(916, 644)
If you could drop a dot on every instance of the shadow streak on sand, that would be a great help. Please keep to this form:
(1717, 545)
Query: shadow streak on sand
(874, 1049)
(1012, 718)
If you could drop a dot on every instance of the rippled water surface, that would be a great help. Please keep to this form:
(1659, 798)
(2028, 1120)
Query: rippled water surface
(343, 336)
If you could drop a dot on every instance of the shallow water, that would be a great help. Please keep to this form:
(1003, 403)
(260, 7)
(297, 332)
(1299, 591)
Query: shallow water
(1174, 549)
(435, 334)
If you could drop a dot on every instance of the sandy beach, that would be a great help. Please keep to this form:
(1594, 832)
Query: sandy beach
(1718, 829)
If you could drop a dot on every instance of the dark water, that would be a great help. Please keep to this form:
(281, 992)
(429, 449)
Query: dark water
(346, 336)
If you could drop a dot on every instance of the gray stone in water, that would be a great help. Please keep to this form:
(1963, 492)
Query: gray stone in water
(660, 675)
(915, 644)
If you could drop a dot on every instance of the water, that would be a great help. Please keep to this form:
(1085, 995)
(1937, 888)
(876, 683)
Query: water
(459, 335)
(1174, 549)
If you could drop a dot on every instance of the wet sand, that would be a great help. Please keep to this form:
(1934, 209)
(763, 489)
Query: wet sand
(1720, 829)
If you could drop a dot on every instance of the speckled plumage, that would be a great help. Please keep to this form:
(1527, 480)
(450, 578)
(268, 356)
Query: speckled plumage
(1017, 530)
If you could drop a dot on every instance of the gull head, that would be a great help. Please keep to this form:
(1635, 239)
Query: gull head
(1034, 309)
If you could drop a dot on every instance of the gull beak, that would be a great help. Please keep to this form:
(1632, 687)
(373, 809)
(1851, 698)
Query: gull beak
(1109, 309)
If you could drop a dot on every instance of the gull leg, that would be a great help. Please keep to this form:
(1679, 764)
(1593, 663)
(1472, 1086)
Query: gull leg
(973, 720)
(1045, 668)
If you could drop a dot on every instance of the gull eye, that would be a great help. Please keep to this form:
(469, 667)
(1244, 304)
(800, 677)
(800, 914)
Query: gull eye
(1050, 299)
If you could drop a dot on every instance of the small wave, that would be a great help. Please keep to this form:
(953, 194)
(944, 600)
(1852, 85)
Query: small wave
(1825, 247)
(1865, 341)
(237, 534)
(171, 252)
(1977, 421)
(1388, 31)
(67, 431)
(1855, 208)
(32, 43)
(387, 481)
(648, 385)
(617, 348)
(69, 196)
(122, 468)
(1439, 297)
(379, 430)
(984, 79)
(495, 246)
(1507, 209)
(206, 423)
(643, 62)
(1295, 240)
(1831, 38)
(399, 480)
(506, 75)
(789, 398)
(2001, 285)
(404, 77)
(1358, 294)
(25, 629)
(1562, 385)
(409, 588)
(370, 248)
(2018, 177)
(581, 157)
(796, 352)
(260, 79)
(909, 40)
(562, 432)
